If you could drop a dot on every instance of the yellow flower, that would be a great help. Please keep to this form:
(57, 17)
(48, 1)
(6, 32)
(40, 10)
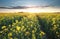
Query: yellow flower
(27, 33)
(33, 31)
(22, 27)
(57, 32)
(31, 25)
(54, 22)
(33, 36)
(16, 21)
(53, 19)
(42, 33)
(14, 30)
(10, 34)
(10, 38)
(3, 27)
(55, 27)
(18, 28)
(24, 30)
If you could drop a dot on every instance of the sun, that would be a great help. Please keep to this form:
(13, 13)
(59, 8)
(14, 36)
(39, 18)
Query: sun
(32, 10)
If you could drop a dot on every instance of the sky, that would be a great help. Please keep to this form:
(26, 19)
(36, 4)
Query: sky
(30, 3)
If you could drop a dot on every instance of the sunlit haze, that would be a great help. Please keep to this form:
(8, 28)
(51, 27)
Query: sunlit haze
(33, 10)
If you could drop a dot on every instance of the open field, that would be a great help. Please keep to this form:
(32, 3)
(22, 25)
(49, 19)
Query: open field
(29, 26)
